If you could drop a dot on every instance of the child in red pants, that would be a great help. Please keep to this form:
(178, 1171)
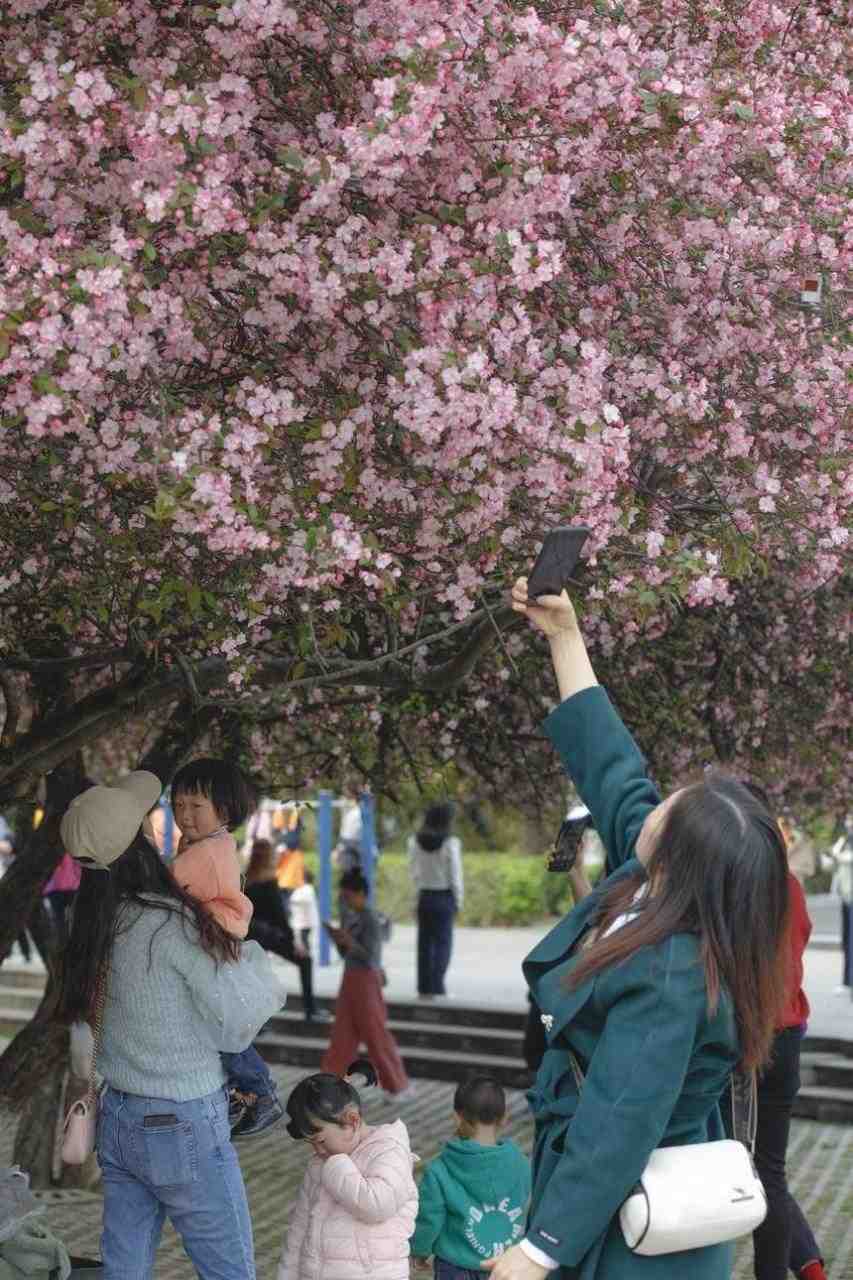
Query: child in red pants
(360, 1013)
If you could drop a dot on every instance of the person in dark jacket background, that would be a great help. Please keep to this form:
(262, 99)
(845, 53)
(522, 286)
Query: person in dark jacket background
(270, 925)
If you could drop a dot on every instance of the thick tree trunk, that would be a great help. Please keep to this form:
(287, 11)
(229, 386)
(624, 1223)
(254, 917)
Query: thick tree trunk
(21, 886)
(39, 1134)
(35, 1138)
(34, 1063)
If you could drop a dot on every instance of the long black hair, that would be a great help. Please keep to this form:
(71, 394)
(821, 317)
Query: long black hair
(99, 914)
(718, 869)
(436, 826)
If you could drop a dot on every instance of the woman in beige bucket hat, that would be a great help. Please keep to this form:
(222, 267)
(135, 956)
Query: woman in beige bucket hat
(177, 991)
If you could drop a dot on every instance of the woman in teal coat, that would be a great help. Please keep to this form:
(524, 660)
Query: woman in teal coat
(660, 982)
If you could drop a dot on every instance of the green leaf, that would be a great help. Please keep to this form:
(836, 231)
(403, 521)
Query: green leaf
(45, 385)
(744, 112)
(290, 158)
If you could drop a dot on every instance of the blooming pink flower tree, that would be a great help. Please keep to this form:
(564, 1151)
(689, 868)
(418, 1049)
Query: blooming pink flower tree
(315, 317)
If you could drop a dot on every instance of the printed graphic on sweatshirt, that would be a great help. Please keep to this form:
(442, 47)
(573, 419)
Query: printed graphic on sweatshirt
(492, 1228)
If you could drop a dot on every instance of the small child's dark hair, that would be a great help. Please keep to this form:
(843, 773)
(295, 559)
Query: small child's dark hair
(355, 881)
(480, 1100)
(230, 792)
(322, 1098)
(309, 876)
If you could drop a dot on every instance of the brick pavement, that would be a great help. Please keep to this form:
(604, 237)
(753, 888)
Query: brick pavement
(821, 1166)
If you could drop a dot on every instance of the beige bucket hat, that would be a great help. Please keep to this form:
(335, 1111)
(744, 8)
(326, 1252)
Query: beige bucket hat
(100, 823)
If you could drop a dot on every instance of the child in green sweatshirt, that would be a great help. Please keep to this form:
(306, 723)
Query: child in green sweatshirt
(473, 1197)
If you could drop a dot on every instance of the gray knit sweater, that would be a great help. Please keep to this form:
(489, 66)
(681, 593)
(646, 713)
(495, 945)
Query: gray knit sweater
(170, 1010)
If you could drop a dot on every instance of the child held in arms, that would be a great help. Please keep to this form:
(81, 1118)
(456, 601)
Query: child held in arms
(210, 798)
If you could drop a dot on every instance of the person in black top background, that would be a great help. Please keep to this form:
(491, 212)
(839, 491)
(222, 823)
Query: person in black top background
(270, 926)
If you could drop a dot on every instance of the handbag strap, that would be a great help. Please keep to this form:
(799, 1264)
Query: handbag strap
(751, 1128)
(100, 995)
(752, 1109)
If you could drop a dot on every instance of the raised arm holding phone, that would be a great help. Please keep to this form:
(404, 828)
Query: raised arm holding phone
(658, 983)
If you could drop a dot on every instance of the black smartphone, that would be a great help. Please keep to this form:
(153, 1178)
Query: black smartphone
(564, 855)
(556, 562)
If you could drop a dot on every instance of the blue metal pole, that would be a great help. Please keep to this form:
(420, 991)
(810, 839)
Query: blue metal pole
(368, 839)
(168, 829)
(324, 844)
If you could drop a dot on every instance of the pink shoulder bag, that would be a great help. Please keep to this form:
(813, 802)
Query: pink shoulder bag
(78, 1138)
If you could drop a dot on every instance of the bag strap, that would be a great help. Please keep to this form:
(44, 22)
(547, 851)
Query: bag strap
(752, 1109)
(100, 995)
(743, 1088)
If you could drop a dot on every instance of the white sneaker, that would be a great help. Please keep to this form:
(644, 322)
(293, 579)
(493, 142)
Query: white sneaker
(842, 991)
(405, 1095)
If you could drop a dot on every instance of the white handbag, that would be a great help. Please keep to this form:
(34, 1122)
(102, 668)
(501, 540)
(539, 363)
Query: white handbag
(78, 1136)
(695, 1195)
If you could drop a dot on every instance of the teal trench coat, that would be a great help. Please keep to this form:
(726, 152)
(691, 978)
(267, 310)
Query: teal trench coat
(656, 1061)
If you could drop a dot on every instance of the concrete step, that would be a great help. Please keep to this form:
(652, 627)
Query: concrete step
(25, 998)
(439, 1038)
(445, 1010)
(428, 1064)
(483, 1041)
(829, 1069)
(829, 1104)
(20, 976)
(828, 1044)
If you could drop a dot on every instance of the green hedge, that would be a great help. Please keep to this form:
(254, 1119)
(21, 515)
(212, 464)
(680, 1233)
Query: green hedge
(500, 888)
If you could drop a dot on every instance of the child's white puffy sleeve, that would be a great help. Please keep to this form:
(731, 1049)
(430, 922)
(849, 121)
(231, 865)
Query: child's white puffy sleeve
(377, 1194)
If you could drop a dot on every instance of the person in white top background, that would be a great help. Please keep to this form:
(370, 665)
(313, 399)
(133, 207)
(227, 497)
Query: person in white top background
(435, 863)
(304, 915)
(347, 854)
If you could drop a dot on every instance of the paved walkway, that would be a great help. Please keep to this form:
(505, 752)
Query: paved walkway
(821, 1161)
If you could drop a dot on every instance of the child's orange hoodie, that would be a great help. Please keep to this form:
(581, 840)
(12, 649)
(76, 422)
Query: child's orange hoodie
(209, 870)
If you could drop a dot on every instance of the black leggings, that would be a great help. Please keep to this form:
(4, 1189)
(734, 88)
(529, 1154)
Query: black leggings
(784, 1238)
(274, 939)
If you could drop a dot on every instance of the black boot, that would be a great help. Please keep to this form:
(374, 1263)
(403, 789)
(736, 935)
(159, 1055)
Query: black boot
(259, 1117)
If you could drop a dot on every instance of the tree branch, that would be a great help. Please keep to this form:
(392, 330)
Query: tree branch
(177, 739)
(449, 674)
(13, 711)
(85, 662)
(58, 736)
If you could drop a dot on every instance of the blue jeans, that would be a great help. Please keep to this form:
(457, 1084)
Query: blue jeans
(248, 1072)
(436, 909)
(182, 1165)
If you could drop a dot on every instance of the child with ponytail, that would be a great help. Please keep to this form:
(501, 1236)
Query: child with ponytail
(357, 1204)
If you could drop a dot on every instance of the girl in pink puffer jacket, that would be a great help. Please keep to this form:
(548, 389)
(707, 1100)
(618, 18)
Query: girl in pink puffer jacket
(358, 1202)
